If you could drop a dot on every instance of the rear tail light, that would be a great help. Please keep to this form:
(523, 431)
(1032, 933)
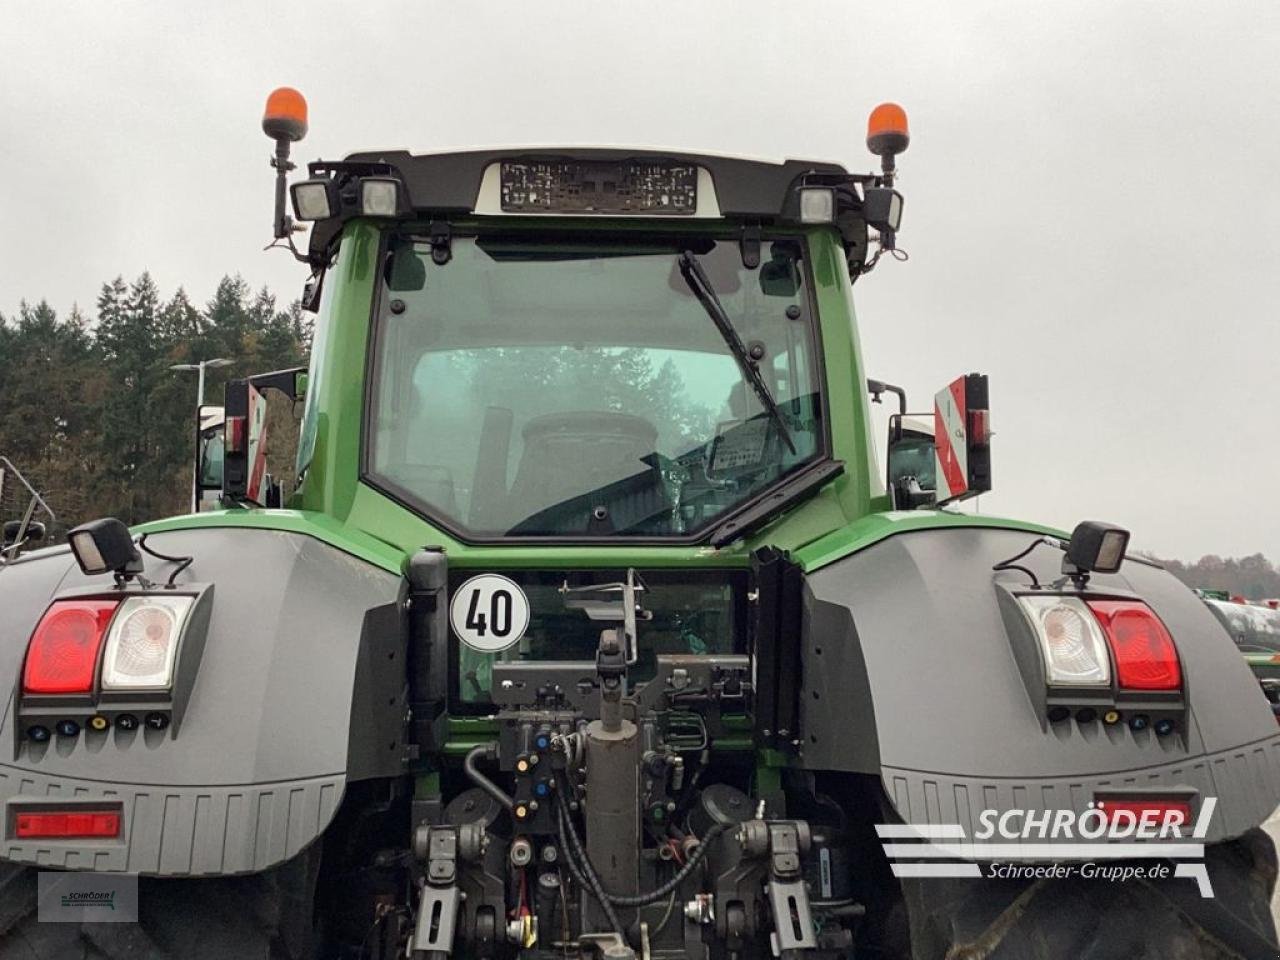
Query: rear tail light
(63, 653)
(143, 643)
(66, 825)
(1146, 658)
(1075, 653)
(1163, 812)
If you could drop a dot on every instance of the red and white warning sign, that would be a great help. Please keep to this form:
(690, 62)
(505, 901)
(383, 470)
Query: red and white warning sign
(257, 446)
(961, 438)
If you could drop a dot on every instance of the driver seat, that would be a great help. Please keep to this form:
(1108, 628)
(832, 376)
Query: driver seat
(573, 453)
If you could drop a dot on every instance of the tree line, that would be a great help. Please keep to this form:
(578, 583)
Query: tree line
(1253, 577)
(91, 412)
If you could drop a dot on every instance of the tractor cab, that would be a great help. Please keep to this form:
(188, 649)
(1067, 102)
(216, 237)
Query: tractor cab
(585, 345)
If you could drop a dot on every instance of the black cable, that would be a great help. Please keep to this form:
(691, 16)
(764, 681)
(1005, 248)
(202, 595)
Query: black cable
(489, 751)
(1012, 562)
(182, 562)
(695, 858)
(1017, 566)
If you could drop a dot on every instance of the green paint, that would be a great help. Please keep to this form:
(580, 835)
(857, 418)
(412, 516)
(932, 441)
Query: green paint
(426, 786)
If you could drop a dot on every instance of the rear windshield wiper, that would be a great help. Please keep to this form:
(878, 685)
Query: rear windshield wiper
(696, 278)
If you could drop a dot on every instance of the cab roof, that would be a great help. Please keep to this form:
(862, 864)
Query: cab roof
(440, 186)
(451, 182)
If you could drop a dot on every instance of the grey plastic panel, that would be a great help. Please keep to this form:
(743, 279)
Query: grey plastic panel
(1243, 780)
(272, 700)
(909, 672)
(267, 742)
(188, 831)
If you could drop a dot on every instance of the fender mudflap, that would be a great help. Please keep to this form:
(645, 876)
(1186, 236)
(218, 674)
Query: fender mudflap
(302, 639)
(910, 675)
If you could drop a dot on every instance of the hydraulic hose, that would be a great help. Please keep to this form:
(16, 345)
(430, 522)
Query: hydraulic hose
(485, 751)
(584, 873)
(569, 831)
(695, 858)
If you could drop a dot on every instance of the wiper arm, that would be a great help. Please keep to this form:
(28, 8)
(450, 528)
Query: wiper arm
(696, 278)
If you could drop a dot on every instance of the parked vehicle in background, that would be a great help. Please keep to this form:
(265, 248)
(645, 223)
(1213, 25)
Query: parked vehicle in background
(1255, 627)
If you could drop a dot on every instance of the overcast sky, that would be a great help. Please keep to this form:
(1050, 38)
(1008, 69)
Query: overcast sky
(1092, 206)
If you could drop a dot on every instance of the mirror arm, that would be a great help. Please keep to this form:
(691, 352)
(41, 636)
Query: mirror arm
(877, 389)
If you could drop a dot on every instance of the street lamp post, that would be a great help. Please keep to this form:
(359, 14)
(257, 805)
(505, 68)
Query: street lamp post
(200, 367)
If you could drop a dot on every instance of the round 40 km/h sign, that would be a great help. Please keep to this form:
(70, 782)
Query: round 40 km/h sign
(489, 613)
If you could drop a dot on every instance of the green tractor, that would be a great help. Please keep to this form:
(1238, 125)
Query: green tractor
(589, 628)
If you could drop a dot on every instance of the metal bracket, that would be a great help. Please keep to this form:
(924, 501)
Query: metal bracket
(437, 921)
(11, 550)
(618, 602)
(441, 899)
(610, 946)
(750, 245)
(441, 242)
(788, 897)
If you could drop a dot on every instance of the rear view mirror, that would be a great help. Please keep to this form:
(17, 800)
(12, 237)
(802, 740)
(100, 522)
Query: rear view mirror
(210, 447)
(912, 463)
(406, 272)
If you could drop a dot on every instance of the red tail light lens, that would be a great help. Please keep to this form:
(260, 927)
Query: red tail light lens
(1146, 658)
(79, 823)
(1170, 812)
(63, 652)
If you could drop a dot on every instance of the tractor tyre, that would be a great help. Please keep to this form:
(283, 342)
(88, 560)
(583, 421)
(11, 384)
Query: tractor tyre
(262, 916)
(1097, 919)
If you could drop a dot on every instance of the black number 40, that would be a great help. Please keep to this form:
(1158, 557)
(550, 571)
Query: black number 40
(499, 615)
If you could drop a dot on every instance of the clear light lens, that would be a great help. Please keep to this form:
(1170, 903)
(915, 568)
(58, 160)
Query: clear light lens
(143, 643)
(895, 212)
(378, 197)
(88, 554)
(817, 205)
(311, 201)
(1075, 650)
(1111, 552)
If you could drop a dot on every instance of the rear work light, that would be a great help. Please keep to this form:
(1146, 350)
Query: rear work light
(1146, 658)
(1075, 653)
(143, 642)
(66, 825)
(62, 656)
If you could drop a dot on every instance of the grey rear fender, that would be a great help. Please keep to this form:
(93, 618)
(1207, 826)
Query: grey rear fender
(299, 689)
(910, 676)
